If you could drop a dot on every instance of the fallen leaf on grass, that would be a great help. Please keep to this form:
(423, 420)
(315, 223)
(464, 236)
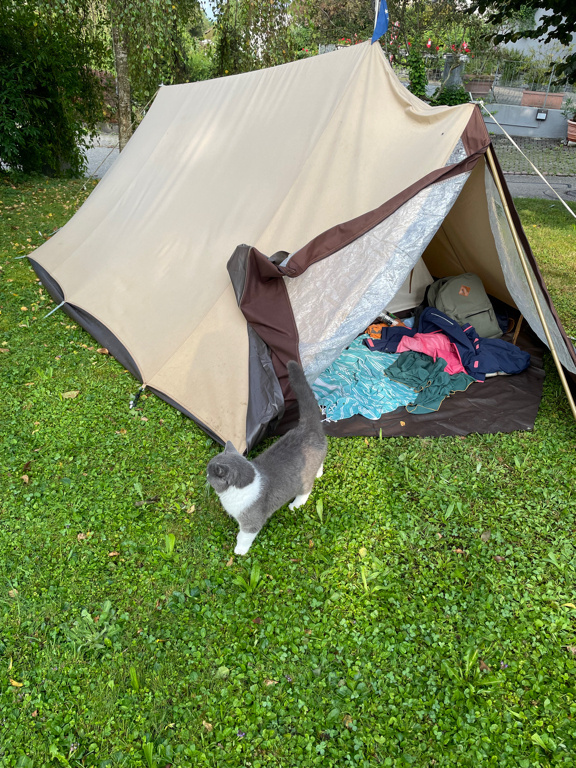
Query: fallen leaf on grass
(35, 713)
(69, 395)
(483, 666)
(13, 592)
(113, 554)
(82, 536)
(191, 510)
(347, 721)
(102, 351)
(15, 683)
(439, 535)
(209, 727)
(459, 551)
(486, 535)
(571, 649)
(569, 605)
(4, 349)
(311, 544)
(230, 562)
(499, 559)
(257, 620)
(270, 682)
(362, 551)
(25, 479)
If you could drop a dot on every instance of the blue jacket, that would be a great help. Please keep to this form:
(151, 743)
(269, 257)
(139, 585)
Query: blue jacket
(479, 356)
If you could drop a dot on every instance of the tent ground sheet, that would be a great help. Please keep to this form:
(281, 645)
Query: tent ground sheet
(500, 404)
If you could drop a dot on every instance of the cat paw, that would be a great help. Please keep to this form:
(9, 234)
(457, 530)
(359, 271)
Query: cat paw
(244, 542)
(299, 501)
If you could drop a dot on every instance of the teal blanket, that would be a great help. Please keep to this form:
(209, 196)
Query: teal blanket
(356, 383)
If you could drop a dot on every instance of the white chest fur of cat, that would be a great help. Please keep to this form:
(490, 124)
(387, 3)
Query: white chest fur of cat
(251, 491)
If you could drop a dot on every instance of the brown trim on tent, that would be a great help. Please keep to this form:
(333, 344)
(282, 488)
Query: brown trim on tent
(265, 396)
(95, 328)
(265, 305)
(476, 137)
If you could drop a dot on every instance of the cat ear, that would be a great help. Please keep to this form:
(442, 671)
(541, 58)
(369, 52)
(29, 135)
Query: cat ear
(230, 448)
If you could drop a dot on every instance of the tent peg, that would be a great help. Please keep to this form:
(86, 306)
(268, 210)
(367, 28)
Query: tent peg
(136, 397)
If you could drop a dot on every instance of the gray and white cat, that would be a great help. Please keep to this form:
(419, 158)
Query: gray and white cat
(251, 491)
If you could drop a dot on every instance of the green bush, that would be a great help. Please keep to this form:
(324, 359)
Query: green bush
(450, 96)
(417, 73)
(50, 98)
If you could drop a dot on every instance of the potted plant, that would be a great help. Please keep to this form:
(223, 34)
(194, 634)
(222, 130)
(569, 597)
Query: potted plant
(541, 99)
(478, 86)
(569, 112)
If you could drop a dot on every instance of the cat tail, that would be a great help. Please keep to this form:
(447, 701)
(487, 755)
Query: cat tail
(309, 408)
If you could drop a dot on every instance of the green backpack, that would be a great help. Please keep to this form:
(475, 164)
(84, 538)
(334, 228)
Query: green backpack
(464, 299)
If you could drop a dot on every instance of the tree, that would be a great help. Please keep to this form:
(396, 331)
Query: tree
(50, 99)
(334, 20)
(148, 48)
(557, 23)
(251, 34)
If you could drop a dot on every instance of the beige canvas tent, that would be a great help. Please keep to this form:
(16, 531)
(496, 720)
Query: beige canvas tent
(356, 189)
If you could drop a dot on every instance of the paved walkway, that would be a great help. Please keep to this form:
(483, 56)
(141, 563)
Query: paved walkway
(101, 154)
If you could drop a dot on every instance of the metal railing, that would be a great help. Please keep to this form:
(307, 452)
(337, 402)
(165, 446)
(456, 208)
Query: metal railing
(512, 80)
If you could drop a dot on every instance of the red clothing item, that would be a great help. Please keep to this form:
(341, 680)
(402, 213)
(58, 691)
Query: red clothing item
(436, 345)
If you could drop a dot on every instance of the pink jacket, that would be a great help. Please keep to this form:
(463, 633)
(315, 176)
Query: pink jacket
(436, 345)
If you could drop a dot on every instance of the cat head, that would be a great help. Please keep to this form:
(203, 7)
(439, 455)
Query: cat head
(229, 469)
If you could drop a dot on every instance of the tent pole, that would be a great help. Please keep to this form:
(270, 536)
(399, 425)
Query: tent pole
(526, 268)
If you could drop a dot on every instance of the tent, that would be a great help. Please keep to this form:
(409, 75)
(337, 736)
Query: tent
(271, 215)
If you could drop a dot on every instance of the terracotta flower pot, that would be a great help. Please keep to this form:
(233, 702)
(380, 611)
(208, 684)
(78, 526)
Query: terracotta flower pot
(537, 99)
(478, 86)
(571, 130)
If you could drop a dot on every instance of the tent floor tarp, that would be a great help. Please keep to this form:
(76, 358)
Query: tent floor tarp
(500, 404)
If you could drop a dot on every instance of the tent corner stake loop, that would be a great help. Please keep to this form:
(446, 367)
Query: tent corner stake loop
(136, 397)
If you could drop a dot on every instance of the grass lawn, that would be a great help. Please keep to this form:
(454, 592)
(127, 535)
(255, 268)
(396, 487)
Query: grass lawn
(420, 610)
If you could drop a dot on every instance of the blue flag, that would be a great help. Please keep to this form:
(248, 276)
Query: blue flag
(381, 22)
